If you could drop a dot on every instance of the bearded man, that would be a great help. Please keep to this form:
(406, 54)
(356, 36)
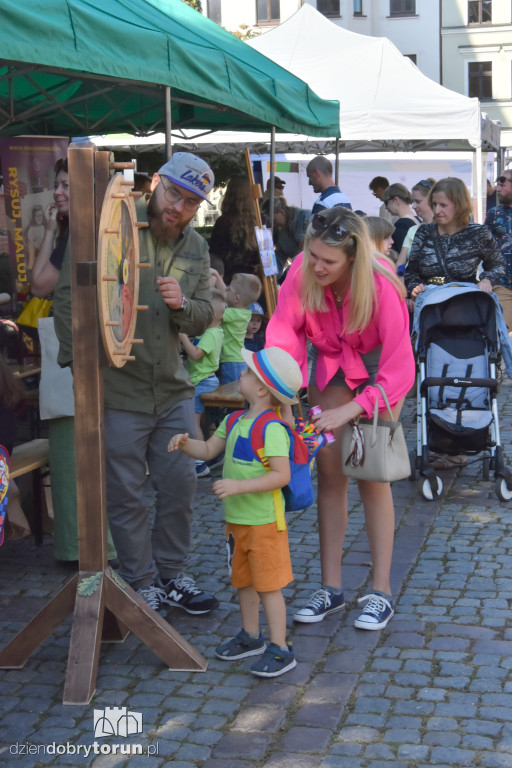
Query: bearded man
(151, 399)
(499, 221)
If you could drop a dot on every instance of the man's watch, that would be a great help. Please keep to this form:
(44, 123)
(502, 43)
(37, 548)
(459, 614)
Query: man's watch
(184, 304)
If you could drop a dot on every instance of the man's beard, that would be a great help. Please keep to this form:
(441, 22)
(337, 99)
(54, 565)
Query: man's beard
(504, 199)
(160, 228)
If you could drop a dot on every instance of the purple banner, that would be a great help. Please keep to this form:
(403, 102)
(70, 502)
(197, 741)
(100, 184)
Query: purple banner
(27, 168)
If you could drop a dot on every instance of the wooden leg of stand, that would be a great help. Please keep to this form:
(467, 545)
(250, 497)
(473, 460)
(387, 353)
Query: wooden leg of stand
(152, 629)
(84, 647)
(16, 653)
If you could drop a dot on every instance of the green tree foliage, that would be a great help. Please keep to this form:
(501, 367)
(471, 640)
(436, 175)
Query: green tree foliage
(196, 4)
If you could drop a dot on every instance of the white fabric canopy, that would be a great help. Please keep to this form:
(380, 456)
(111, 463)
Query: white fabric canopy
(383, 95)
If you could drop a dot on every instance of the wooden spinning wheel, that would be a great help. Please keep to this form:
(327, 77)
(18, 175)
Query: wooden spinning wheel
(103, 606)
(118, 271)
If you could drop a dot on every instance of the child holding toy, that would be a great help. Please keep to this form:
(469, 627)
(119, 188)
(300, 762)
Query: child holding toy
(258, 551)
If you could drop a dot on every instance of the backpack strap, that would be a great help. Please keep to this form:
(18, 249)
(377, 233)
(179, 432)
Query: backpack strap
(257, 437)
(232, 420)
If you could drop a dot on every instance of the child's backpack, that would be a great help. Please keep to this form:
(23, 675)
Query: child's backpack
(298, 494)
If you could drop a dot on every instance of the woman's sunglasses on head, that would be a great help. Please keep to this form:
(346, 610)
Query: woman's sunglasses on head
(321, 223)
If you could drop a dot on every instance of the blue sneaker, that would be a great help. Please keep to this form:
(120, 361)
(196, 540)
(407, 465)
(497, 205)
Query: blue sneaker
(377, 612)
(240, 647)
(274, 661)
(320, 605)
(202, 469)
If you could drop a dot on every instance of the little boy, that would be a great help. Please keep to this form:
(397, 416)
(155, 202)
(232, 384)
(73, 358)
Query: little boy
(258, 552)
(254, 340)
(242, 291)
(203, 361)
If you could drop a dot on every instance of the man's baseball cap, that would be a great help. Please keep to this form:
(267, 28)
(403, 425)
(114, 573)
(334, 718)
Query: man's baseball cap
(189, 172)
(279, 183)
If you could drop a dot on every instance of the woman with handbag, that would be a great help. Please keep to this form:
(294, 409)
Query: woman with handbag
(350, 305)
(451, 247)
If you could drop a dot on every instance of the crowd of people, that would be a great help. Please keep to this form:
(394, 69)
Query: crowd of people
(341, 329)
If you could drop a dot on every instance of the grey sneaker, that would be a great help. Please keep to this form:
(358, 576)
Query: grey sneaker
(274, 662)
(153, 596)
(240, 647)
(320, 605)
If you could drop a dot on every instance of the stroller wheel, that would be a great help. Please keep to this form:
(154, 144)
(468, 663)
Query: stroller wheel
(426, 489)
(502, 490)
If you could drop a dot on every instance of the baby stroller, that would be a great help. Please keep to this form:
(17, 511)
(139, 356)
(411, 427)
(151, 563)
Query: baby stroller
(460, 332)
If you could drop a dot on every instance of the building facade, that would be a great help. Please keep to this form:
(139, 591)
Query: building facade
(476, 55)
(412, 25)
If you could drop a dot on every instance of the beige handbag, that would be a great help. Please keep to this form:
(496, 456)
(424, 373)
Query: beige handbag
(375, 449)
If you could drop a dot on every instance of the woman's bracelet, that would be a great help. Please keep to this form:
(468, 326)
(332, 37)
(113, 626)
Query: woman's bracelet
(400, 270)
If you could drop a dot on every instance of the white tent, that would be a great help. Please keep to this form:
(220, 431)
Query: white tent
(382, 94)
(385, 101)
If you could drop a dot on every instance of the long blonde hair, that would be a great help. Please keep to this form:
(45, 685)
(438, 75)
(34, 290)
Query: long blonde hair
(363, 260)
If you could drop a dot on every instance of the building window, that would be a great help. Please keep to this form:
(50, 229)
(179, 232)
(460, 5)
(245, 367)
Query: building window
(411, 56)
(480, 79)
(358, 7)
(328, 7)
(479, 12)
(267, 10)
(402, 7)
(213, 11)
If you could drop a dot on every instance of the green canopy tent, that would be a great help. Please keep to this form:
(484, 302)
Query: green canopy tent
(78, 67)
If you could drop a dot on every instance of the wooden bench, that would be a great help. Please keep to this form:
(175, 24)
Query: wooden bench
(225, 396)
(31, 457)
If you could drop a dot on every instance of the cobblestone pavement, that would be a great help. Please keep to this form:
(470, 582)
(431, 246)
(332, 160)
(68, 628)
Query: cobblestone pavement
(433, 688)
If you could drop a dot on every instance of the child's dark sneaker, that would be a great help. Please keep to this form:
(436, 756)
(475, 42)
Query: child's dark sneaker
(240, 647)
(274, 661)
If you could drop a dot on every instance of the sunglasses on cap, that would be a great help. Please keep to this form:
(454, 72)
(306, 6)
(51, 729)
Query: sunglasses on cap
(503, 179)
(320, 223)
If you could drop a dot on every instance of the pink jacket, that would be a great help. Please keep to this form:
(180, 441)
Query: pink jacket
(290, 326)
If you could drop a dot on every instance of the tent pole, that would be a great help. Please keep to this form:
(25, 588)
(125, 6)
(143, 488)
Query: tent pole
(337, 164)
(479, 190)
(168, 122)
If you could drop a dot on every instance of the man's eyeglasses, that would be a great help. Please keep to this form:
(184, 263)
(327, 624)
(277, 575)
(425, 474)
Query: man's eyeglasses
(321, 223)
(503, 180)
(173, 195)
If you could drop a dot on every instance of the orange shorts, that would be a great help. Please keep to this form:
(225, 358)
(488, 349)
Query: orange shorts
(258, 556)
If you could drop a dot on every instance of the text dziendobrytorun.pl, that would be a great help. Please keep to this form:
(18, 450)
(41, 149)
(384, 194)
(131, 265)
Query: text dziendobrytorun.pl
(83, 749)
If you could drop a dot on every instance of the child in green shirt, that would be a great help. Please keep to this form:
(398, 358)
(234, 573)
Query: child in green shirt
(258, 550)
(242, 291)
(203, 355)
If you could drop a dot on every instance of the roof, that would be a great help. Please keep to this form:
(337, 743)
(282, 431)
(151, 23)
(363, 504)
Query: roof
(76, 67)
(383, 96)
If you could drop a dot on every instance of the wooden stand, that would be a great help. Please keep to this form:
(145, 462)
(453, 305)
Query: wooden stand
(104, 606)
(269, 281)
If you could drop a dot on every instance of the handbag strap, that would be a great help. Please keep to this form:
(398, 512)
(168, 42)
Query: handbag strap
(386, 402)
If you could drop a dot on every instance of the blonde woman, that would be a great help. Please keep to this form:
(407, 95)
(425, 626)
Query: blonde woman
(350, 305)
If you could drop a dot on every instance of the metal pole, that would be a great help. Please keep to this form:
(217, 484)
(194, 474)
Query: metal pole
(168, 122)
(337, 164)
(272, 173)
